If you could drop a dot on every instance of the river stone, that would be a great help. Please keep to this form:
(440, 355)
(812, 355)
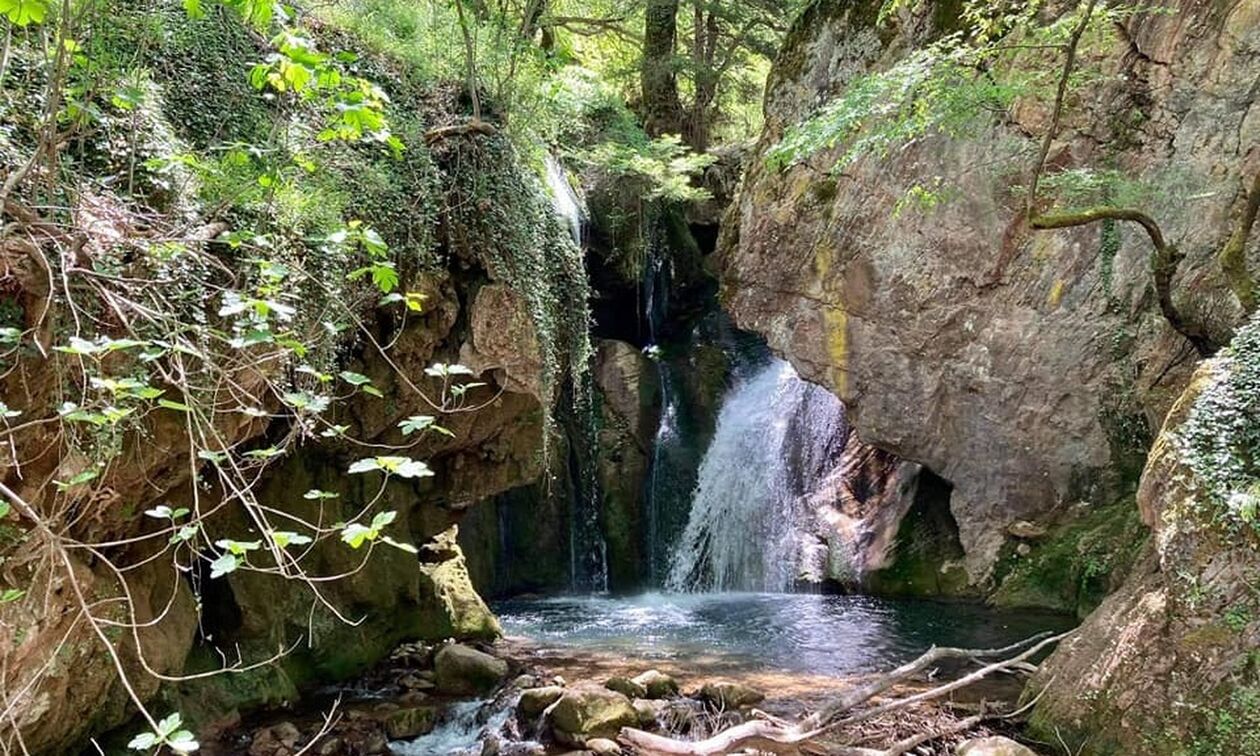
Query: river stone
(603, 747)
(465, 671)
(647, 712)
(657, 684)
(410, 722)
(626, 687)
(994, 746)
(729, 695)
(535, 700)
(1027, 530)
(591, 711)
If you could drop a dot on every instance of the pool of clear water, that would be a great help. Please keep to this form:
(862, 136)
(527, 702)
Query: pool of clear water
(809, 633)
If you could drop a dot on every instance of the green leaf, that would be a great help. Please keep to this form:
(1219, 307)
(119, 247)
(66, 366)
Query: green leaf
(415, 424)
(315, 493)
(403, 467)
(173, 405)
(284, 538)
(143, 742)
(224, 564)
(356, 535)
(11, 594)
(354, 379)
(77, 480)
(23, 12)
(4, 509)
(193, 9)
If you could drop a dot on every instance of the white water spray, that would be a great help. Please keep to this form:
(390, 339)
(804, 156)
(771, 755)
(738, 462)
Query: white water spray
(776, 438)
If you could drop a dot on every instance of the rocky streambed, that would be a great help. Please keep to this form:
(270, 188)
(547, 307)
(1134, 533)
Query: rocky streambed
(570, 687)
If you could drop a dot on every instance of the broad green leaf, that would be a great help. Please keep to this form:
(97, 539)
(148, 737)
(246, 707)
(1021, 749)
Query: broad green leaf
(24, 12)
(224, 564)
(77, 480)
(284, 538)
(353, 378)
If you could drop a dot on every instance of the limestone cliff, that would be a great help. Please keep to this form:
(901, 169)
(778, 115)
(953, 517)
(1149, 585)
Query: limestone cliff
(1025, 368)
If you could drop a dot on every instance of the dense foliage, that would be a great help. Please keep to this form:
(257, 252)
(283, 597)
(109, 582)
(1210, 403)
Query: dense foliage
(1221, 437)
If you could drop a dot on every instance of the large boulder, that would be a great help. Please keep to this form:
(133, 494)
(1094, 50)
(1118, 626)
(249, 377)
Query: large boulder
(534, 701)
(464, 671)
(626, 687)
(657, 684)
(591, 711)
(724, 694)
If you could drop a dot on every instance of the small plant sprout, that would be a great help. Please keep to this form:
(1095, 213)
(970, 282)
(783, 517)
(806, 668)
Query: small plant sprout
(169, 733)
(403, 467)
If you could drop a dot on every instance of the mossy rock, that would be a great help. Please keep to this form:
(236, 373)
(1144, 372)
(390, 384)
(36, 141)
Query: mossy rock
(1076, 564)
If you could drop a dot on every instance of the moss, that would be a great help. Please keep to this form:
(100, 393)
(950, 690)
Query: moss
(1076, 564)
(928, 557)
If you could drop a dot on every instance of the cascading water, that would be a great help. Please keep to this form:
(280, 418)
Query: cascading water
(777, 437)
(588, 553)
(655, 303)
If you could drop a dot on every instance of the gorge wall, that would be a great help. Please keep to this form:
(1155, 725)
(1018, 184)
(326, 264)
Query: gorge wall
(1025, 368)
(1031, 370)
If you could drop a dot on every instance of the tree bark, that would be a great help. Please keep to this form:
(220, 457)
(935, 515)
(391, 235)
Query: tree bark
(662, 108)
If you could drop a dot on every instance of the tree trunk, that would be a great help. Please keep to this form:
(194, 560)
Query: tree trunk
(662, 108)
(706, 77)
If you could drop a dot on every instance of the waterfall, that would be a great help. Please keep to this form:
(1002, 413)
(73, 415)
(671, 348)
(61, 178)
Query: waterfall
(563, 198)
(777, 438)
(655, 304)
(588, 553)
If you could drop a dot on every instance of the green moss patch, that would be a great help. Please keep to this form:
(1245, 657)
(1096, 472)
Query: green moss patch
(1076, 564)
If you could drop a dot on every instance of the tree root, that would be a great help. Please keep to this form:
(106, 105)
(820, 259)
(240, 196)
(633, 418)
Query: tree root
(780, 737)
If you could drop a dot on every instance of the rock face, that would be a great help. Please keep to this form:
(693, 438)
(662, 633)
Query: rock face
(453, 608)
(70, 687)
(1168, 664)
(627, 385)
(1025, 368)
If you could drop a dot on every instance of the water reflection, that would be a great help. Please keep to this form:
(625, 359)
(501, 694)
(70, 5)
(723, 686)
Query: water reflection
(819, 634)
